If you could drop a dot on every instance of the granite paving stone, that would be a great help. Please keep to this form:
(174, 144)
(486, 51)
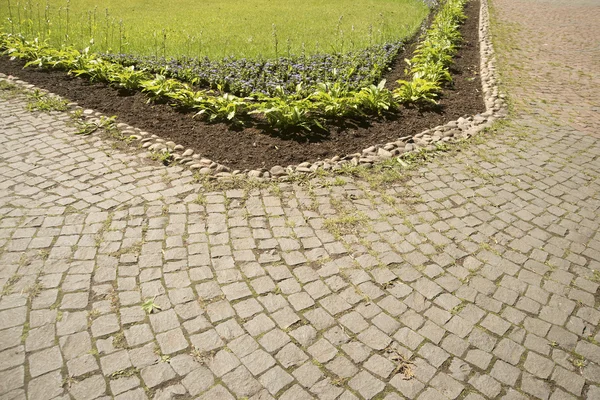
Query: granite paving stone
(45, 361)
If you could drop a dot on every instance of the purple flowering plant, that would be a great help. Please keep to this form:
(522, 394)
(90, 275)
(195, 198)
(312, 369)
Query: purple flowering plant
(244, 77)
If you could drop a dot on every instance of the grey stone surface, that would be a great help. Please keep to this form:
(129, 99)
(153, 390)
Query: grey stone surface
(154, 375)
(471, 277)
(44, 361)
(198, 381)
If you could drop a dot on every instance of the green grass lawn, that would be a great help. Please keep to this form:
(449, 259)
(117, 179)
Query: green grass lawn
(215, 28)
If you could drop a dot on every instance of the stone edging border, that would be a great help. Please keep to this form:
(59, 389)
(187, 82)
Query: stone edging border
(452, 131)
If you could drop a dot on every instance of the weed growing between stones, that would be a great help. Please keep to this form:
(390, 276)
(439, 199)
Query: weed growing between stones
(163, 156)
(89, 127)
(39, 101)
(149, 306)
(8, 286)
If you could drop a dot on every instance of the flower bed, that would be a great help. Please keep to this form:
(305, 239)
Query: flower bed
(214, 147)
(301, 109)
(243, 77)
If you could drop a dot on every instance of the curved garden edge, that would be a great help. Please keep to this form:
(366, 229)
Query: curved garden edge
(428, 139)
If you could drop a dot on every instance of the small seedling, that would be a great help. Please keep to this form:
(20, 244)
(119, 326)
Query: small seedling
(44, 254)
(34, 290)
(68, 382)
(165, 358)
(77, 114)
(87, 128)
(7, 88)
(149, 306)
(124, 373)
(201, 199)
(200, 356)
(337, 381)
(578, 360)
(42, 102)
(119, 341)
(164, 157)
(8, 286)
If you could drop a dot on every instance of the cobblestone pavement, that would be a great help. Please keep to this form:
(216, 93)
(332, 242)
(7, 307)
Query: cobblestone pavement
(475, 277)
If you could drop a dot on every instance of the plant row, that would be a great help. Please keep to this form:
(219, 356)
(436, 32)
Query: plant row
(243, 77)
(429, 67)
(282, 107)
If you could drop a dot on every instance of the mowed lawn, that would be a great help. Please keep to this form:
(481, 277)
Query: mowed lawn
(215, 28)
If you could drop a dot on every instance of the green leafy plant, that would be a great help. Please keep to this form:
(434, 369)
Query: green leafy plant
(435, 51)
(334, 100)
(375, 99)
(433, 72)
(149, 306)
(162, 87)
(185, 97)
(288, 114)
(417, 91)
(63, 59)
(221, 108)
(288, 111)
(17, 47)
(96, 70)
(127, 78)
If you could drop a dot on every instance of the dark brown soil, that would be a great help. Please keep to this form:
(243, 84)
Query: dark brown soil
(255, 147)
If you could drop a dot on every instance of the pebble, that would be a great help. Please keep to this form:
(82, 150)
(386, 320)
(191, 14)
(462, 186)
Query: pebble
(384, 153)
(369, 149)
(277, 171)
